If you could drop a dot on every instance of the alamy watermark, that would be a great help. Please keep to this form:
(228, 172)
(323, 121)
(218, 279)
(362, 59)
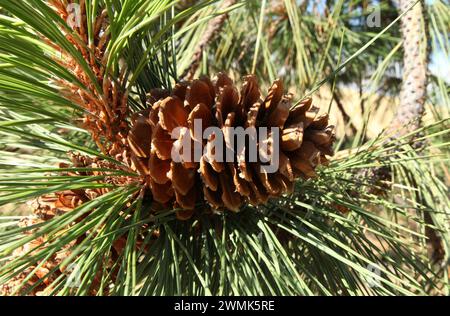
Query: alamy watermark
(374, 18)
(74, 17)
(228, 144)
(371, 280)
(73, 272)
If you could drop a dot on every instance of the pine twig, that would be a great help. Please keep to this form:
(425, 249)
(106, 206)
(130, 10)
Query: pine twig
(214, 27)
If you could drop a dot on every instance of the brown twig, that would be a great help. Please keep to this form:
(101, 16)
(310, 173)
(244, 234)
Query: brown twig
(214, 27)
(345, 116)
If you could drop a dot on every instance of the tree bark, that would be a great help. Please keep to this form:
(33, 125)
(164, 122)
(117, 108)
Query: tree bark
(415, 60)
(413, 92)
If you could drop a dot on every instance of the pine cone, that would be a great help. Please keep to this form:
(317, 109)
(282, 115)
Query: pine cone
(304, 137)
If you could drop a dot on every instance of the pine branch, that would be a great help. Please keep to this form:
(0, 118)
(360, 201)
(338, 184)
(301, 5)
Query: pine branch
(413, 92)
(214, 27)
(415, 64)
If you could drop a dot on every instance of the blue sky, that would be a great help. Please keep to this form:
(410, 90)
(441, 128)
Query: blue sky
(440, 65)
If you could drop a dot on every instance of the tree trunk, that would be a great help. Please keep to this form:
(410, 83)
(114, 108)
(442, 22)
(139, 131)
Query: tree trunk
(415, 61)
(413, 92)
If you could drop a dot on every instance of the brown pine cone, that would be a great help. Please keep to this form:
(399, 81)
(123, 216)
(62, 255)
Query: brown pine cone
(304, 140)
